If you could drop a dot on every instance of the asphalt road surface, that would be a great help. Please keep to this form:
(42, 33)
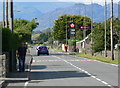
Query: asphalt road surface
(59, 69)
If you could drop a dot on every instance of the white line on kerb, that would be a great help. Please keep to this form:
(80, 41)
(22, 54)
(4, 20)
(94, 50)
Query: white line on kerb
(86, 72)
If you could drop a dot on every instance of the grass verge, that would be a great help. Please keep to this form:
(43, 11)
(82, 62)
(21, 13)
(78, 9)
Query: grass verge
(99, 58)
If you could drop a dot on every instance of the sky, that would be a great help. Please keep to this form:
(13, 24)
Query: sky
(78, 1)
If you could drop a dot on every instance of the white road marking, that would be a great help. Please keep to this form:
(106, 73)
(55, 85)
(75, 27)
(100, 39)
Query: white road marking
(86, 72)
(60, 60)
(26, 83)
(98, 61)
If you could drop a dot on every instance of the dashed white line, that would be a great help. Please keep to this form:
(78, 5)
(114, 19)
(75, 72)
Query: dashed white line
(86, 72)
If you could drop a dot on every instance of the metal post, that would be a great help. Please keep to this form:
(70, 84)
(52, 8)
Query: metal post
(111, 27)
(3, 13)
(105, 18)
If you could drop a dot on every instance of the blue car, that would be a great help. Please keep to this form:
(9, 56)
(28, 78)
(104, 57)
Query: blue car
(42, 50)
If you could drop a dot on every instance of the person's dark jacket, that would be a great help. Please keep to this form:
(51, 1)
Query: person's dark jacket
(22, 51)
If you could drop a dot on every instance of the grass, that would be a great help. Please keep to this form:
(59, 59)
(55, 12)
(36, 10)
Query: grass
(60, 50)
(99, 58)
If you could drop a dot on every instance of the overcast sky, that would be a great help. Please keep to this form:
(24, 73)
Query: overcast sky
(79, 1)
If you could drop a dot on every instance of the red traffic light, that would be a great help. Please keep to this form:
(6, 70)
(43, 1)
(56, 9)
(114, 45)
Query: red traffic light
(72, 25)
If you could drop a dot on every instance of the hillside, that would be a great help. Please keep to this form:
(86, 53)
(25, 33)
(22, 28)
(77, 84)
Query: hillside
(47, 19)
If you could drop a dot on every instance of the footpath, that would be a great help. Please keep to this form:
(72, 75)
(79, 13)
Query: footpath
(18, 76)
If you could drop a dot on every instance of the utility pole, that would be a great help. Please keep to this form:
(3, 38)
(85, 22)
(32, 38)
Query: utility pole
(66, 31)
(105, 18)
(111, 27)
(11, 15)
(3, 13)
(7, 22)
(84, 32)
(91, 26)
(13, 54)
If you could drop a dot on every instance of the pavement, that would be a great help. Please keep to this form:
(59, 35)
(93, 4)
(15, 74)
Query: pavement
(59, 70)
(18, 76)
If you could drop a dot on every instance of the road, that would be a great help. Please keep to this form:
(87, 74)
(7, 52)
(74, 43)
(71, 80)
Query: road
(59, 69)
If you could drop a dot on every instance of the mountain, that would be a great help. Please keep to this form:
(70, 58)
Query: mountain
(30, 10)
(45, 7)
(47, 19)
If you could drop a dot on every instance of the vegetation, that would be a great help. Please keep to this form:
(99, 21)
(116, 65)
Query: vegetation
(98, 35)
(24, 29)
(99, 58)
(9, 40)
(63, 22)
(44, 36)
(22, 33)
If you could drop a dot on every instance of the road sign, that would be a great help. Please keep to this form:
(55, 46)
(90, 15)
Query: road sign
(72, 25)
(84, 27)
(72, 32)
(72, 29)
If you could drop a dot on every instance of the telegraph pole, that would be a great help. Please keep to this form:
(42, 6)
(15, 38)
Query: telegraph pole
(111, 27)
(91, 26)
(11, 15)
(105, 18)
(13, 54)
(7, 23)
(84, 32)
(3, 13)
(66, 31)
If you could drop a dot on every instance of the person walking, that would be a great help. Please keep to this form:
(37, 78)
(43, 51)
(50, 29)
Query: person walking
(66, 47)
(21, 56)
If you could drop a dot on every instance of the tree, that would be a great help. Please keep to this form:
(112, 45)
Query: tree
(63, 21)
(24, 28)
(98, 35)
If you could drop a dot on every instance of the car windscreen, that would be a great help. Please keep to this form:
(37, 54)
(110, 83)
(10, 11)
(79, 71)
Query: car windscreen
(42, 47)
